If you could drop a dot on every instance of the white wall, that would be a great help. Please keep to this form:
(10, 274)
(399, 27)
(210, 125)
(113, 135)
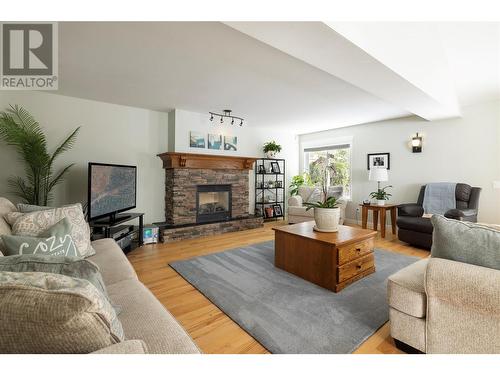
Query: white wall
(110, 133)
(251, 138)
(457, 150)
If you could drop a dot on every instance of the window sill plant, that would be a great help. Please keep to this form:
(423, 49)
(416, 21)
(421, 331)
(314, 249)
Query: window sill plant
(271, 149)
(381, 195)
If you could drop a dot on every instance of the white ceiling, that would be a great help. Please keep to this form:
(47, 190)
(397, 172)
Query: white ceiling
(300, 76)
(473, 53)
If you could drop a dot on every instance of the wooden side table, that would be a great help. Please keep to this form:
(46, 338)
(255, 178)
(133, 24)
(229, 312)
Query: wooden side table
(382, 210)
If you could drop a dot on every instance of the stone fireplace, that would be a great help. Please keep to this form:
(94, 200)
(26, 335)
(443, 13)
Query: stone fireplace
(213, 203)
(205, 195)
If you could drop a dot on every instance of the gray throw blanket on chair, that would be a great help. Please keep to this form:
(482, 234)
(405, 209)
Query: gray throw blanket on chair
(439, 197)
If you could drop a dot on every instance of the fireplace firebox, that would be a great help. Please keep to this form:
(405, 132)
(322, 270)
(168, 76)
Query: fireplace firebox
(213, 203)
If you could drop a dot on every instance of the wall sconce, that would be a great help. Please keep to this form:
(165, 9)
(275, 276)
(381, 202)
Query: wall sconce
(416, 143)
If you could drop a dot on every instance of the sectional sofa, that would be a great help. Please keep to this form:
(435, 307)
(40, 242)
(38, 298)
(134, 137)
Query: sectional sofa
(147, 325)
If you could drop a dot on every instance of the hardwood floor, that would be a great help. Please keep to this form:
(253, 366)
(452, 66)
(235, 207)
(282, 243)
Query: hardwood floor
(214, 331)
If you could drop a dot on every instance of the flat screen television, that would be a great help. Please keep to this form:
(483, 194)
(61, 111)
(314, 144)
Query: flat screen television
(111, 189)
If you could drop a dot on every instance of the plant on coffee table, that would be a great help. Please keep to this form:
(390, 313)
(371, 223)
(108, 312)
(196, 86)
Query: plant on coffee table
(326, 212)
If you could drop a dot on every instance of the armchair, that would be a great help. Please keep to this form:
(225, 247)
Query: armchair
(417, 230)
(450, 301)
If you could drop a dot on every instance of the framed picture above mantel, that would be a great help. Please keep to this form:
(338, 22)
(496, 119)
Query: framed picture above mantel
(213, 141)
(379, 160)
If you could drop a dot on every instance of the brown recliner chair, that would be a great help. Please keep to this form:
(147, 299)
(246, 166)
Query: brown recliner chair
(417, 230)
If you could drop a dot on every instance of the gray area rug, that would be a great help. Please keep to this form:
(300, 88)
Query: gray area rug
(285, 313)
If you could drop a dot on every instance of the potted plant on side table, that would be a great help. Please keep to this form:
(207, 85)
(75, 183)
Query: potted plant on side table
(326, 211)
(271, 149)
(381, 195)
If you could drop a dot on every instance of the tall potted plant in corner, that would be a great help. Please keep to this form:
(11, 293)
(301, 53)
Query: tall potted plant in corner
(19, 129)
(271, 149)
(326, 212)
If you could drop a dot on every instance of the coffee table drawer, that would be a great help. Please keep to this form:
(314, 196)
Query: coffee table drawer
(354, 251)
(355, 267)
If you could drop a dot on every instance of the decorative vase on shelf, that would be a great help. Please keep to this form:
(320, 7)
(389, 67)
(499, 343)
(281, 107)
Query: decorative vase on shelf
(380, 202)
(271, 154)
(326, 219)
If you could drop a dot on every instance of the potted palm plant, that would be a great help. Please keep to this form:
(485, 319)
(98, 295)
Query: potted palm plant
(326, 211)
(381, 195)
(271, 149)
(19, 129)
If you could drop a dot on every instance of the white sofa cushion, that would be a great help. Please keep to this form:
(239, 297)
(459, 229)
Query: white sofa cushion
(300, 211)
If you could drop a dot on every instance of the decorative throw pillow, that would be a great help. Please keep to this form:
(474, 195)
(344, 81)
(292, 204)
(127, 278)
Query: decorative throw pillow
(25, 208)
(465, 242)
(49, 313)
(55, 240)
(62, 265)
(34, 223)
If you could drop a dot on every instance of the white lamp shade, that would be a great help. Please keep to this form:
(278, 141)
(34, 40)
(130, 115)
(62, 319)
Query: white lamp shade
(378, 174)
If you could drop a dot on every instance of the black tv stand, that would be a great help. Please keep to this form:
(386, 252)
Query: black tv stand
(107, 224)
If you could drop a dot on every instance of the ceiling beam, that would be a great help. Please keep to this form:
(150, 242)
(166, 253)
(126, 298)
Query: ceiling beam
(426, 93)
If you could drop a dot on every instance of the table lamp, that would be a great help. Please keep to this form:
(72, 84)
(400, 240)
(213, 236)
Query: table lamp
(378, 174)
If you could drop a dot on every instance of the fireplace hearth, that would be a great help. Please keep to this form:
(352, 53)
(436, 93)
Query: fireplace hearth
(206, 195)
(213, 203)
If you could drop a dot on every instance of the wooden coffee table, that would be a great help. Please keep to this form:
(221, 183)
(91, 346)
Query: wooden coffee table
(330, 260)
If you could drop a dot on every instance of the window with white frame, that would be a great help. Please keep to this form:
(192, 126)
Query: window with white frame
(338, 156)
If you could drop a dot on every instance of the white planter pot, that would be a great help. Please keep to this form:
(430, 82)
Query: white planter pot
(271, 154)
(327, 219)
(380, 202)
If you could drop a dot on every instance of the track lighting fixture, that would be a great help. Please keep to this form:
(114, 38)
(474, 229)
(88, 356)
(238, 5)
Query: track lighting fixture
(226, 113)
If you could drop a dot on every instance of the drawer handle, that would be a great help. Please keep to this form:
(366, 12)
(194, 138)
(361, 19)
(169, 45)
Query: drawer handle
(358, 266)
(358, 249)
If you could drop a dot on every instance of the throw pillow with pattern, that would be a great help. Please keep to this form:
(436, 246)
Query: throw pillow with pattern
(62, 265)
(34, 223)
(25, 208)
(51, 313)
(56, 240)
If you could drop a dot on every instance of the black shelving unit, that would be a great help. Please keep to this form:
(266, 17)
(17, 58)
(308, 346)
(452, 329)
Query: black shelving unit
(269, 188)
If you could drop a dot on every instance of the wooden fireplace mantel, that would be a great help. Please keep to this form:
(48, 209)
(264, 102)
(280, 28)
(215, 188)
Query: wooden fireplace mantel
(204, 161)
